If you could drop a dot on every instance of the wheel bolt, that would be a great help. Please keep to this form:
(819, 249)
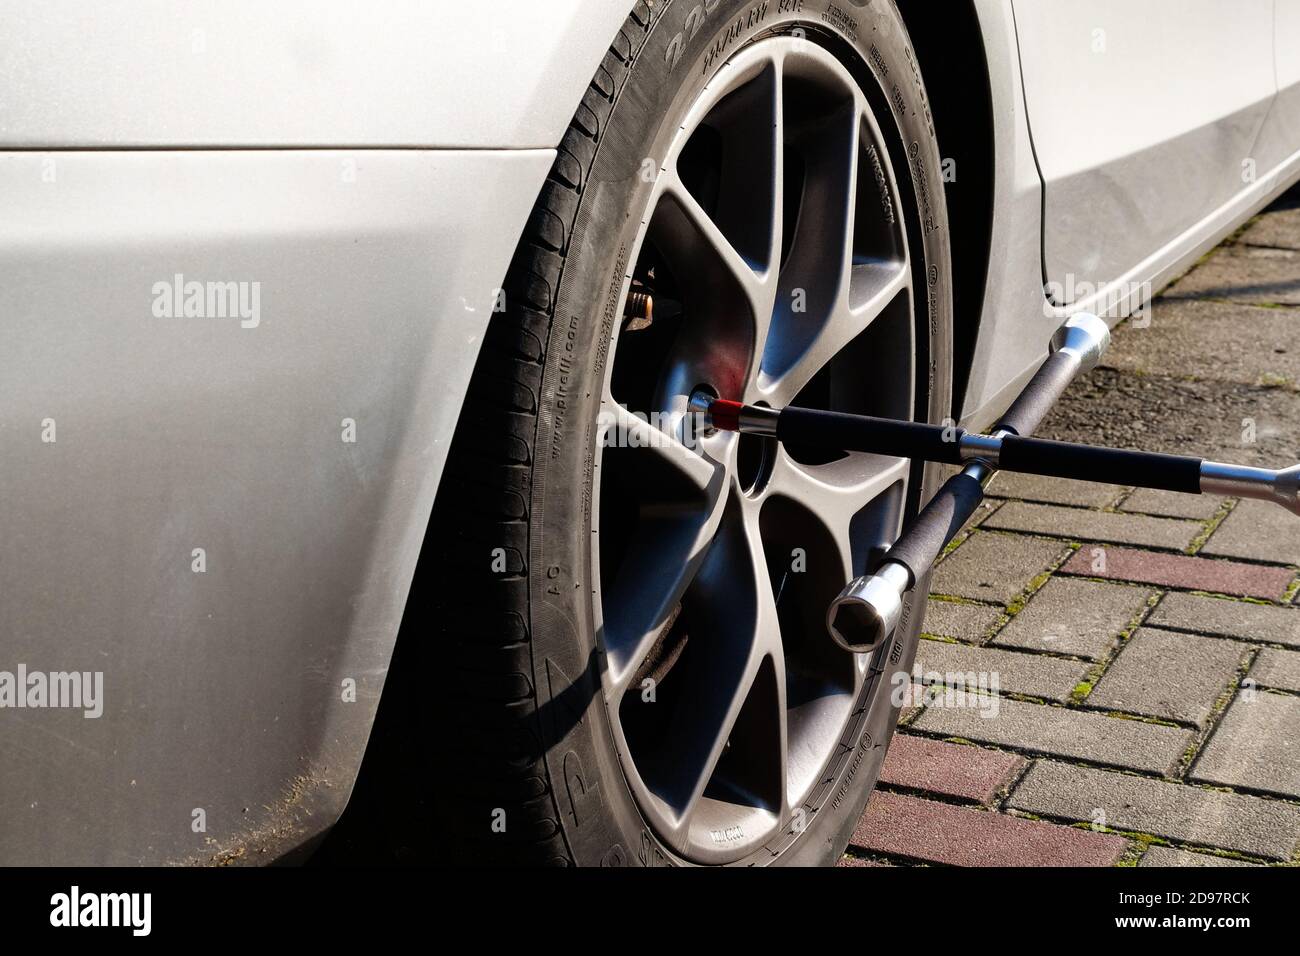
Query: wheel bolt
(639, 311)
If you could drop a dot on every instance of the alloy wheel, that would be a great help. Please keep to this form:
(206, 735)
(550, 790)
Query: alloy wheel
(772, 266)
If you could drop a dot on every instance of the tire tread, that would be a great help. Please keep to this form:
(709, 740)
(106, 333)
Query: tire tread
(495, 757)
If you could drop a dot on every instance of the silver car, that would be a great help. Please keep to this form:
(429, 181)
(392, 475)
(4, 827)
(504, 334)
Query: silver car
(297, 297)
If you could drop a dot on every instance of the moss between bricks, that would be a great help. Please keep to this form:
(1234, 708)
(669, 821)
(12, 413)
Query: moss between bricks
(1217, 710)
(1142, 719)
(1211, 524)
(1221, 595)
(1243, 599)
(1026, 698)
(1232, 237)
(1273, 380)
(939, 638)
(957, 599)
(1144, 841)
(1289, 594)
(954, 544)
(1018, 603)
(1097, 670)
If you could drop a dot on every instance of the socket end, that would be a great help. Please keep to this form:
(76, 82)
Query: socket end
(1085, 336)
(866, 612)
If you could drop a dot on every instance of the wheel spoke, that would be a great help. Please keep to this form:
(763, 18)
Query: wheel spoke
(742, 106)
(676, 523)
(847, 262)
(770, 644)
(837, 493)
(885, 282)
(723, 245)
(724, 295)
(624, 428)
(748, 274)
(736, 619)
(844, 515)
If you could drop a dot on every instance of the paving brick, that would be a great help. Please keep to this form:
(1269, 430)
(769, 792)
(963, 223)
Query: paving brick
(1241, 619)
(1226, 821)
(994, 567)
(953, 770)
(1167, 413)
(1067, 733)
(1202, 341)
(1279, 228)
(965, 622)
(1255, 746)
(1168, 674)
(1279, 669)
(941, 833)
(985, 509)
(1093, 525)
(1035, 675)
(1059, 491)
(1181, 571)
(1070, 616)
(1171, 504)
(1244, 274)
(1253, 530)
(1168, 856)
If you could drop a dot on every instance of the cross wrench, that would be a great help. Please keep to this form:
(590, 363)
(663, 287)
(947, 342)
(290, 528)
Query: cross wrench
(868, 610)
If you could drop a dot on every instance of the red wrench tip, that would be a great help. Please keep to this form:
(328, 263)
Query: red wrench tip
(725, 414)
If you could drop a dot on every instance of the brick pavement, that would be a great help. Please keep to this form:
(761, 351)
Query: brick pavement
(1146, 645)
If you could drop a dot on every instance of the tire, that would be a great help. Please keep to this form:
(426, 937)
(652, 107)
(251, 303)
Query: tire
(531, 766)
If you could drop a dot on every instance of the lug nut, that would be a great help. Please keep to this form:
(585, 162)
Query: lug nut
(639, 311)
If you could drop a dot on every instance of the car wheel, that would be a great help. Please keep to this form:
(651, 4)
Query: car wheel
(747, 204)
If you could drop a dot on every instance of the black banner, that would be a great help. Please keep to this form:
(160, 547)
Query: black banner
(251, 906)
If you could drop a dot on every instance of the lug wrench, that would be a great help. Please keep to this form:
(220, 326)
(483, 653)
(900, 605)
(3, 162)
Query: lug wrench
(869, 608)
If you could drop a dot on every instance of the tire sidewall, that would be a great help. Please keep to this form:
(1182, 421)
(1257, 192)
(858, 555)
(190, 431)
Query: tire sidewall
(688, 43)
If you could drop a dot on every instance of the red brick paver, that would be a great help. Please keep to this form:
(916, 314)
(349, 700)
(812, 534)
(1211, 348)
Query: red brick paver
(1180, 571)
(954, 770)
(919, 829)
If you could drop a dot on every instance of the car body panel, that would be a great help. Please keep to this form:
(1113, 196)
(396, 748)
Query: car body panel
(1137, 138)
(224, 685)
(156, 73)
(1017, 316)
(1283, 123)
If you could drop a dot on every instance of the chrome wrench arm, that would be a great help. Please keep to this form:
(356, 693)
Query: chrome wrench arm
(869, 608)
(867, 611)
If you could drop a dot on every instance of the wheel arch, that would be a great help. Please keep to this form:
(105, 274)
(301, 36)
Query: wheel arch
(957, 83)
